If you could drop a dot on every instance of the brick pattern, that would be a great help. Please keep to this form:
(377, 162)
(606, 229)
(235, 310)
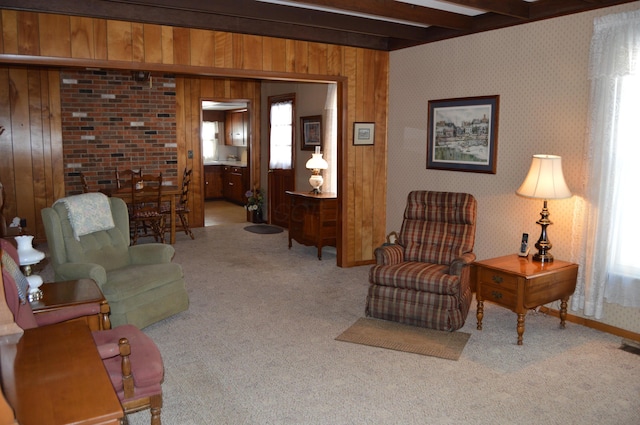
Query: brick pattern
(109, 120)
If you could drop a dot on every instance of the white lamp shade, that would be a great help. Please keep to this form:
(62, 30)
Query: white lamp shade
(317, 162)
(27, 254)
(545, 179)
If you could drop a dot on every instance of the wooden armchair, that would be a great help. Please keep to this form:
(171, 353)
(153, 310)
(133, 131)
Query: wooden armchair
(423, 279)
(131, 358)
(134, 365)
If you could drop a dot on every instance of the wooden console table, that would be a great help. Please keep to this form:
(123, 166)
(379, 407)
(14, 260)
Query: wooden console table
(54, 376)
(519, 284)
(313, 219)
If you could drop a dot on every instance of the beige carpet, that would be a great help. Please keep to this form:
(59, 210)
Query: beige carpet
(257, 347)
(410, 339)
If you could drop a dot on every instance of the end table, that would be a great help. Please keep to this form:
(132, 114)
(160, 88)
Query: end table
(82, 294)
(519, 283)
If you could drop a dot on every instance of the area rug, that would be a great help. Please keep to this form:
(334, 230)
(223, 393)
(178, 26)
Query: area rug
(410, 339)
(263, 229)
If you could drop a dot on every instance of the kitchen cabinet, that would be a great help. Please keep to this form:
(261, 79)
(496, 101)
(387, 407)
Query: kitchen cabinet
(235, 183)
(213, 181)
(236, 123)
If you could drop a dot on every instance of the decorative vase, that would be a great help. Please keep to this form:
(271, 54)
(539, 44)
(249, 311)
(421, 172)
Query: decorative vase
(254, 216)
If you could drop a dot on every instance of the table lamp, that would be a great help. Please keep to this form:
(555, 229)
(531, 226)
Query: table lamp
(316, 163)
(27, 257)
(544, 181)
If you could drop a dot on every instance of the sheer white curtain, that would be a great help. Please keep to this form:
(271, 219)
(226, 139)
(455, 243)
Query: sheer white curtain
(280, 138)
(602, 226)
(330, 142)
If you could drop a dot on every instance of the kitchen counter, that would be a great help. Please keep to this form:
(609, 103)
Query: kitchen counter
(230, 163)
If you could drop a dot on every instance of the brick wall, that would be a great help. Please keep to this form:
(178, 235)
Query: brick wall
(109, 120)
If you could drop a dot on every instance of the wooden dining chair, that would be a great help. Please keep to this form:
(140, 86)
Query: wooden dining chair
(123, 178)
(182, 207)
(146, 215)
(84, 182)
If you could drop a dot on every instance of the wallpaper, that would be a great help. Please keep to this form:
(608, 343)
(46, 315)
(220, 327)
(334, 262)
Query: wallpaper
(539, 70)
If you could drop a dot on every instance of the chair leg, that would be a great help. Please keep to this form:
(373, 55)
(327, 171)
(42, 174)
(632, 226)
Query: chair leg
(135, 233)
(156, 407)
(185, 225)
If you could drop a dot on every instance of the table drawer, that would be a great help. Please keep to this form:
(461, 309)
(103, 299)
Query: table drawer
(498, 294)
(504, 281)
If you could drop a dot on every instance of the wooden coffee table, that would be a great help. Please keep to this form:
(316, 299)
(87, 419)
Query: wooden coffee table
(83, 294)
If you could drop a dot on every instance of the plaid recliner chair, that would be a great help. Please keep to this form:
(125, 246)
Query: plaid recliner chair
(423, 279)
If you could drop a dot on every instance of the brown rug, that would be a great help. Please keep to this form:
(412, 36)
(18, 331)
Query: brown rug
(410, 339)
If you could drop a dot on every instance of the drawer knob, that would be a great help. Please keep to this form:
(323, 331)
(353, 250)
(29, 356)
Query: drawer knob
(496, 279)
(497, 295)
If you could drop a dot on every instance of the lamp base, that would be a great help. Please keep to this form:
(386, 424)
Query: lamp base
(316, 181)
(35, 295)
(543, 243)
(543, 258)
(35, 282)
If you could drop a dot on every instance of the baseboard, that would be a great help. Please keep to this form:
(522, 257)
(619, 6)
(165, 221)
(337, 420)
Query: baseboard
(594, 324)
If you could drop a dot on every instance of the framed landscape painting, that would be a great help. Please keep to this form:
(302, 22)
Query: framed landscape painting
(463, 134)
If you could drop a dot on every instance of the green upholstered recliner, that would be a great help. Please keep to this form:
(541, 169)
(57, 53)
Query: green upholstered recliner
(140, 282)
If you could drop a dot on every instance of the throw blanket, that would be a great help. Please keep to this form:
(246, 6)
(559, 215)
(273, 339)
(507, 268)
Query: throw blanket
(88, 213)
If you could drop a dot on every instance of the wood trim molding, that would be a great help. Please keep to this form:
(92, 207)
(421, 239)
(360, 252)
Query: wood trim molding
(593, 324)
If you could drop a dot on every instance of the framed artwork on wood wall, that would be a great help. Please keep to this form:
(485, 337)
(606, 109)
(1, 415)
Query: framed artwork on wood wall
(363, 133)
(311, 131)
(463, 134)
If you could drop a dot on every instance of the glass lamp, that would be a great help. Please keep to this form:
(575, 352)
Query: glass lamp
(544, 181)
(315, 164)
(29, 256)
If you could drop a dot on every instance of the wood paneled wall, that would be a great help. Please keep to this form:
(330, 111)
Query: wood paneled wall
(51, 40)
(31, 168)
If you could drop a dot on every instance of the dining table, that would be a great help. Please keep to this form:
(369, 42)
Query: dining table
(167, 193)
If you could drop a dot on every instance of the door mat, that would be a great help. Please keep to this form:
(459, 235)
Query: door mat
(263, 229)
(410, 339)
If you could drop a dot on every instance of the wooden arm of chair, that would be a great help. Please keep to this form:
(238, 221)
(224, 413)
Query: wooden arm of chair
(127, 377)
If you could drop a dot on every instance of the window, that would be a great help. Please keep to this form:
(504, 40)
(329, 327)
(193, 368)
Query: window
(210, 133)
(281, 134)
(607, 231)
(625, 232)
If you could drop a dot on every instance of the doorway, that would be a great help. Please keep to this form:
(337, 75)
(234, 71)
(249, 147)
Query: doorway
(225, 153)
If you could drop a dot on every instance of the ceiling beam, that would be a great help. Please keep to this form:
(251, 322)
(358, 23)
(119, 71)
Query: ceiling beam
(539, 10)
(321, 26)
(398, 10)
(243, 16)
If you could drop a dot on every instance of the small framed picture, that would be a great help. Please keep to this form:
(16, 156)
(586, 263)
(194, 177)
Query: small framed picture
(363, 133)
(311, 132)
